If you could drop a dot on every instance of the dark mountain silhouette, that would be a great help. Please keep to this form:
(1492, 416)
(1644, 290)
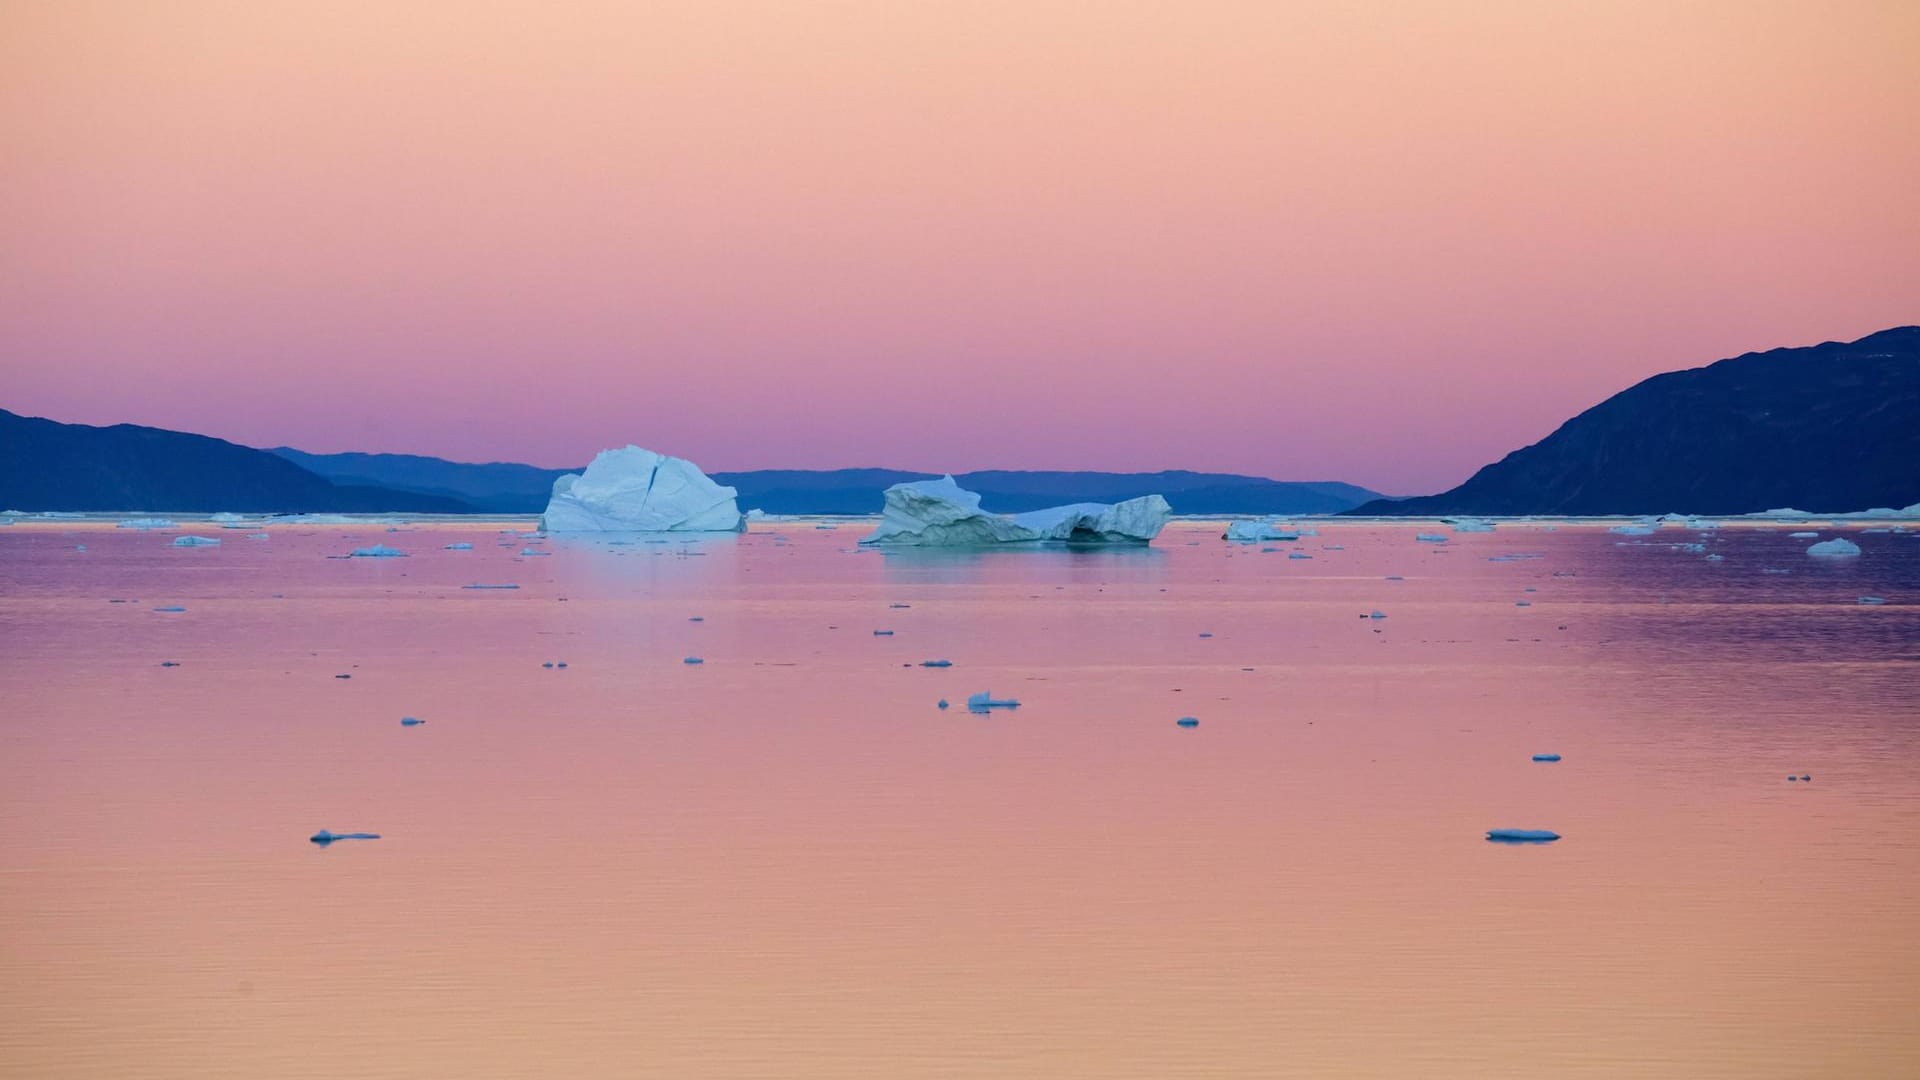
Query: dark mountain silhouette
(53, 466)
(1833, 427)
(508, 488)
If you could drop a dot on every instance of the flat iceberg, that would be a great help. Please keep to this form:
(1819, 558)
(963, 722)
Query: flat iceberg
(1248, 532)
(635, 490)
(940, 513)
(147, 523)
(323, 837)
(1522, 836)
(985, 700)
(1836, 548)
(196, 541)
(378, 551)
(1469, 525)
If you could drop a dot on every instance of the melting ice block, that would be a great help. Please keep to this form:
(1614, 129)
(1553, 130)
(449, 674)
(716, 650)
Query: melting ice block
(323, 837)
(635, 490)
(1522, 836)
(378, 551)
(1836, 548)
(196, 541)
(985, 700)
(1248, 532)
(930, 513)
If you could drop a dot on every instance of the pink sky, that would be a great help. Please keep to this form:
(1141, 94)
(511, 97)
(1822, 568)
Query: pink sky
(1384, 243)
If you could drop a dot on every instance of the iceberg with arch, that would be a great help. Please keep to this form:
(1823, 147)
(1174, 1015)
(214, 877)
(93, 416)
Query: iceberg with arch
(635, 490)
(941, 513)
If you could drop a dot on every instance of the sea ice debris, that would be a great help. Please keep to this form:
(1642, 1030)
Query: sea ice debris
(930, 513)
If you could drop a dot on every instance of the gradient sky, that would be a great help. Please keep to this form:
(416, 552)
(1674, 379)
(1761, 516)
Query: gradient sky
(1383, 243)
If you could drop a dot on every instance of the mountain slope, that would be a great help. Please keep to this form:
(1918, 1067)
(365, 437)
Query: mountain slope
(53, 466)
(1833, 427)
(494, 487)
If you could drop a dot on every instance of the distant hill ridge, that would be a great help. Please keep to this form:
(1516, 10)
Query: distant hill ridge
(1831, 427)
(500, 487)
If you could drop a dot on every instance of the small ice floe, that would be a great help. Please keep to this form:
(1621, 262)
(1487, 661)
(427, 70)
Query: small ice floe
(1836, 548)
(1430, 538)
(378, 551)
(1205, 633)
(170, 609)
(1632, 530)
(224, 516)
(985, 700)
(1773, 570)
(527, 552)
(1546, 757)
(479, 586)
(1187, 721)
(147, 523)
(461, 546)
(899, 605)
(343, 676)
(1333, 547)
(1395, 577)
(1376, 614)
(693, 660)
(259, 536)
(79, 547)
(1872, 600)
(169, 663)
(1802, 535)
(883, 633)
(942, 703)
(1522, 836)
(1716, 558)
(1523, 603)
(411, 721)
(196, 541)
(1469, 525)
(1298, 555)
(323, 837)
(696, 618)
(936, 663)
(1802, 778)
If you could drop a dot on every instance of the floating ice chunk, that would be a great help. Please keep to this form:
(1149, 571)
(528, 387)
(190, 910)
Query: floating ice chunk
(1632, 530)
(1716, 558)
(527, 552)
(1522, 836)
(1802, 535)
(696, 618)
(323, 837)
(693, 660)
(171, 609)
(378, 551)
(1430, 538)
(1247, 532)
(899, 605)
(224, 516)
(169, 663)
(79, 547)
(409, 721)
(985, 700)
(461, 546)
(883, 633)
(1546, 757)
(147, 523)
(1298, 555)
(259, 536)
(936, 663)
(930, 513)
(479, 586)
(635, 490)
(942, 703)
(1873, 600)
(1836, 548)
(1187, 721)
(1206, 633)
(1395, 577)
(196, 541)
(1469, 525)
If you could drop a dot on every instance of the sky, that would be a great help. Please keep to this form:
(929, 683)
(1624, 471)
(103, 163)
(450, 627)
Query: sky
(1383, 243)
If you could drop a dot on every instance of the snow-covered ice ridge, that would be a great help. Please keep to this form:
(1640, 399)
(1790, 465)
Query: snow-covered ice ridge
(635, 490)
(930, 513)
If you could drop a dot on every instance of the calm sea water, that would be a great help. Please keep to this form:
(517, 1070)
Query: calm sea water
(788, 862)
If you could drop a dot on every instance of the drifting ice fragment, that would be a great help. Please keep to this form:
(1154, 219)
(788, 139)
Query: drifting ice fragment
(1187, 721)
(1469, 525)
(1837, 548)
(409, 721)
(146, 523)
(1546, 757)
(378, 551)
(479, 586)
(323, 837)
(930, 513)
(985, 700)
(936, 663)
(528, 552)
(693, 660)
(462, 546)
(1376, 614)
(942, 703)
(1522, 836)
(635, 490)
(1873, 600)
(1802, 535)
(195, 541)
(1430, 538)
(172, 609)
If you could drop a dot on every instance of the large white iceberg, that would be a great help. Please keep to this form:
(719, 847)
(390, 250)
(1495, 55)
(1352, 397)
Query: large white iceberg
(635, 490)
(940, 512)
(1836, 548)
